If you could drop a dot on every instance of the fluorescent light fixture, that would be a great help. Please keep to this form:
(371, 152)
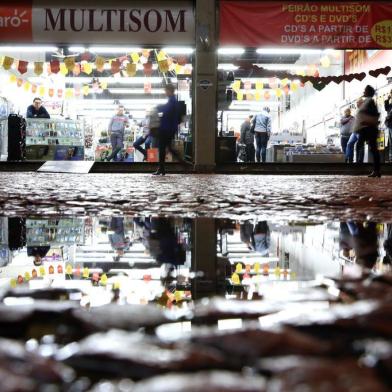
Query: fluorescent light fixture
(227, 67)
(288, 51)
(113, 49)
(77, 49)
(134, 91)
(282, 67)
(29, 49)
(229, 51)
(178, 50)
(135, 102)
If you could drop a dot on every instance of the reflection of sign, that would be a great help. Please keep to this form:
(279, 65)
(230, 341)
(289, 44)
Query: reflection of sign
(205, 84)
(146, 21)
(322, 24)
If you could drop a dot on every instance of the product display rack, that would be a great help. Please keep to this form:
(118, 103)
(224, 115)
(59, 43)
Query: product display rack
(54, 139)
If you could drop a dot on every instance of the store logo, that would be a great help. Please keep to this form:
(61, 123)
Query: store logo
(15, 23)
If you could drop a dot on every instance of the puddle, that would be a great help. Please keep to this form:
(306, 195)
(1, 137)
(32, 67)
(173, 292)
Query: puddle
(116, 303)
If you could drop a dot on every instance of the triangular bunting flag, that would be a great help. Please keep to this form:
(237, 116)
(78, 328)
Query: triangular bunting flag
(54, 66)
(70, 63)
(131, 69)
(38, 68)
(99, 63)
(22, 66)
(7, 62)
(115, 66)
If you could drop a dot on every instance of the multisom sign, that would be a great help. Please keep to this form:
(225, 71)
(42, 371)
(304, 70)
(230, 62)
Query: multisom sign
(99, 22)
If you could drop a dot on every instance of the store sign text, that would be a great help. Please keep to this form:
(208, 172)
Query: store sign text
(121, 20)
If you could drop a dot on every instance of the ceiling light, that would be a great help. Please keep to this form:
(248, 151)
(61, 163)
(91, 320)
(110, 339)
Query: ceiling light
(29, 49)
(113, 49)
(282, 67)
(178, 50)
(288, 51)
(227, 67)
(77, 49)
(229, 51)
(134, 91)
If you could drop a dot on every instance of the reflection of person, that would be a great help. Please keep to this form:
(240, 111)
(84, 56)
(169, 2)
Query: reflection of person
(346, 123)
(116, 130)
(247, 138)
(262, 130)
(366, 125)
(118, 240)
(388, 245)
(38, 252)
(257, 238)
(168, 128)
(36, 110)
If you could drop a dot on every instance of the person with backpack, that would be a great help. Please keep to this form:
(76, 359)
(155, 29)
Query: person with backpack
(247, 139)
(168, 127)
(366, 126)
(262, 130)
(388, 122)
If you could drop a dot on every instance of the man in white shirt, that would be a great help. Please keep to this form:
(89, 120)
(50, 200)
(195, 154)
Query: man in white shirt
(116, 129)
(262, 129)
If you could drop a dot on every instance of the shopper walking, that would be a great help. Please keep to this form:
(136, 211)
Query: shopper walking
(37, 110)
(388, 122)
(248, 140)
(366, 125)
(346, 124)
(262, 129)
(145, 138)
(353, 142)
(116, 130)
(167, 129)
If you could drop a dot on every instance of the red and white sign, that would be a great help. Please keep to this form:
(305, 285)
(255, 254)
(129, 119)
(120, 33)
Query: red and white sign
(321, 24)
(111, 22)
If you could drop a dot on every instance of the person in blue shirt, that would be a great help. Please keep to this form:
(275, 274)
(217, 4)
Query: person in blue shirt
(168, 128)
(36, 110)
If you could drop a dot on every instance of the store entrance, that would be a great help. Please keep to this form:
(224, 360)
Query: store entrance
(65, 103)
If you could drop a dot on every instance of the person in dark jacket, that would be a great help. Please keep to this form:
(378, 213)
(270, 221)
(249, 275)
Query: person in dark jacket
(36, 110)
(366, 125)
(248, 139)
(167, 129)
(388, 122)
(346, 124)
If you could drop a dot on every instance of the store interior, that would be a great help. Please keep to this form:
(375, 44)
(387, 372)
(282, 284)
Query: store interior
(305, 116)
(82, 87)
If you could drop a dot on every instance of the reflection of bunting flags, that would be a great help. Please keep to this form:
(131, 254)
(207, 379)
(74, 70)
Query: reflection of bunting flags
(54, 66)
(135, 57)
(33, 88)
(240, 96)
(22, 66)
(60, 93)
(12, 78)
(278, 92)
(99, 63)
(236, 85)
(69, 93)
(179, 69)
(267, 95)
(284, 82)
(27, 86)
(247, 85)
(19, 82)
(104, 85)
(161, 56)
(259, 85)
(147, 87)
(38, 67)
(131, 69)
(249, 97)
(294, 87)
(147, 69)
(7, 62)
(76, 70)
(51, 92)
(85, 90)
(70, 63)
(257, 96)
(146, 53)
(41, 91)
(87, 68)
(163, 66)
(63, 69)
(115, 66)
(143, 60)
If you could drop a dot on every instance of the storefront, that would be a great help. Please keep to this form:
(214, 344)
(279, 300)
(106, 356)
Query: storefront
(83, 61)
(305, 63)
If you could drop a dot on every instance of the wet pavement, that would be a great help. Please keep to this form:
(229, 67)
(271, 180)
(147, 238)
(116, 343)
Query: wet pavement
(235, 196)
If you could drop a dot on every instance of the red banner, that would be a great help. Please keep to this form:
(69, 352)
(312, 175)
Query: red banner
(320, 24)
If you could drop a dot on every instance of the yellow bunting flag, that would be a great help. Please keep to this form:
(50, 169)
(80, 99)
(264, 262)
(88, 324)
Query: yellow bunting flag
(294, 86)
(63, 69)
(161, 56)
(249, 97)
(131, 69)
(7, 62)
(68, 269)
(70, 63)
(238, 268)
(259, 85)
(178, 295)
(86, 273)
(235, 278)
(146, 53)
(69, 93)
(87, 68)
(13, 283)
(116, 285)
(41, 90)
(27, 276)
(278, 92)
(325, 62)
(104, 85)
(135, 57)
(256, 268)
(236, 85)
(284, 82)
(27, 86)
(257, 96)
(42, 271)
(163, 66)
(277, 271)
(85, 90)
(13, 78)
(179, 69)
(240, 96)
(104, 280)
(99, 63)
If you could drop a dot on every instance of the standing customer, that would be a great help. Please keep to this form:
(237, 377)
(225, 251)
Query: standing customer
(116, 129)
(168, 128)
(247, 138)
(353, 141)
(262, 133)
(366, 125)
(346, 124)
(145, 138)
(388, 123)
(36, 110)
